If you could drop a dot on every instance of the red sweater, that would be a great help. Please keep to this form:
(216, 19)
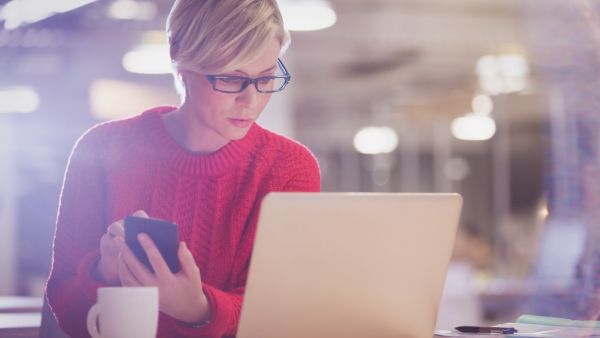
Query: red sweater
(122, 166)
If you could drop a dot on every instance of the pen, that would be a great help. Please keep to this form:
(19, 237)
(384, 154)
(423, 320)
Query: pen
(486, 329)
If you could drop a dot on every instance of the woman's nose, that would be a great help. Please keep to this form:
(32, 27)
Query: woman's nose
(248, 97)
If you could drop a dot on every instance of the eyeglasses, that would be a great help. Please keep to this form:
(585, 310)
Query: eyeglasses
(263, 84)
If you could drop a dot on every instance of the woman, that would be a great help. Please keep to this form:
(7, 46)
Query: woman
(205, 165)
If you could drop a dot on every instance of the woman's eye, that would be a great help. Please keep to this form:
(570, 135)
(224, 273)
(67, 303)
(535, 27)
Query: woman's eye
(265, 80)
(232, 80)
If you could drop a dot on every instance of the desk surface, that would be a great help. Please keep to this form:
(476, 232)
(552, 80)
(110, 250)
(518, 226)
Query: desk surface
(20, 317)
(20, 320)
(20, 325)
(15, 304)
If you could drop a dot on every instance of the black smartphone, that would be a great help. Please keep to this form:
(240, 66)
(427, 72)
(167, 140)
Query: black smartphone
(164, 234)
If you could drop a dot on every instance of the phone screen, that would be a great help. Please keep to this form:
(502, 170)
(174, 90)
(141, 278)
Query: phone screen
(164, 234)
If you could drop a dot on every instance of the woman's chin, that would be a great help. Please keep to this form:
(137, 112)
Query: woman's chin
(237, 133)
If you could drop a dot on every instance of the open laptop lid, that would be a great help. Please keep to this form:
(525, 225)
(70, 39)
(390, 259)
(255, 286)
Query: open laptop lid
(349, 264)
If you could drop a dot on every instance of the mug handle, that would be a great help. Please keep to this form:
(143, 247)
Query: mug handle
(92, 321)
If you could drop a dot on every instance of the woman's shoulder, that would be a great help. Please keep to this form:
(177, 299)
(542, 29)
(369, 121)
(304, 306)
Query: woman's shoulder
(287, 153)
(284, 146)
(291, 162)
(124, 130)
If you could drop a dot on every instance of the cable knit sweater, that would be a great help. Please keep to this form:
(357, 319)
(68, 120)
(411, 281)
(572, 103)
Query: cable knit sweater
(122, 166)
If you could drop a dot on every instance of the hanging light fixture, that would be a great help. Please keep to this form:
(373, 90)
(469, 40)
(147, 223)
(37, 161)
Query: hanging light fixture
(132, 10)
(473, 127)
(151, 56)
(17, 13)
(503, 74)
(375, 140)
(478, 125)
(18, 99)
(307, 15)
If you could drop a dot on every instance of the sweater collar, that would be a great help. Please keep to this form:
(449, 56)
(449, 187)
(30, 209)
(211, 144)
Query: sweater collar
(231, 155)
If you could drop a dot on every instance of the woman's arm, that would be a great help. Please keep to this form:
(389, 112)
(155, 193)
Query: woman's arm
(71, 287)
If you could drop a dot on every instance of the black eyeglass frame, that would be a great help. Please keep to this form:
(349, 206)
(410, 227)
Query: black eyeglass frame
(248, 81)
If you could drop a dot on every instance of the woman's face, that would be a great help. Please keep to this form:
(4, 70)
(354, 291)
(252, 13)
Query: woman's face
(222, 117)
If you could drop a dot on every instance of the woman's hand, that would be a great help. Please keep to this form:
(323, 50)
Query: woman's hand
(181, 295)
(107, 269)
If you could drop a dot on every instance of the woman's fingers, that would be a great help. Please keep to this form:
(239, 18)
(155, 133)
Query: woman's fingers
(108, 246)
(111, 246)
(109, 251)
(125, 275)
(116, 229)
(160, 267)
(188, 264)
(134, 266)
(107, 268)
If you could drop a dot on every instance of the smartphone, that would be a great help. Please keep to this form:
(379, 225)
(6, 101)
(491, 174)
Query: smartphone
(164, 234)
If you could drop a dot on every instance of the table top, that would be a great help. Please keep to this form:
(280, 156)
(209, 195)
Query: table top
(20, 320)
(20, 317)
(20, 325)
(17, 304)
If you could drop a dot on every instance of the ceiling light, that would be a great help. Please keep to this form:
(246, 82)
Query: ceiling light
(487, 66)
(513, 65)
(307, 15)
(21, 12)
(503, 74)
(149, 57)
(376, 140)
(18, 99)
(132, 10)
(473, 127)
(515, 84)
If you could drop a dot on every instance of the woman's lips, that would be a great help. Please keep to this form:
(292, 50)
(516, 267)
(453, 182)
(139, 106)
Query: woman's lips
(241, 123)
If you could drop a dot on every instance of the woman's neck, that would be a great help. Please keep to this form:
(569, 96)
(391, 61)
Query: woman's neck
(192, 134)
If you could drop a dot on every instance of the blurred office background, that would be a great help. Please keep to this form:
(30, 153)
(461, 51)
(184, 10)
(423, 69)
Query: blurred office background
(491, 99)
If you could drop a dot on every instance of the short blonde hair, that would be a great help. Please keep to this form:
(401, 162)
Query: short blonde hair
(216, 36)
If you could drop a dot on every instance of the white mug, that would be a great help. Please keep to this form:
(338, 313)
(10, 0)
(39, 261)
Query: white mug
(124, 312)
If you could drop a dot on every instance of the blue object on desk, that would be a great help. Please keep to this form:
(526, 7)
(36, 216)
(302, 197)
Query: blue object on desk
(486, 329)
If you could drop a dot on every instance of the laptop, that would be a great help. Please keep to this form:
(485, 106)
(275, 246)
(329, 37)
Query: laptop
(349, 264)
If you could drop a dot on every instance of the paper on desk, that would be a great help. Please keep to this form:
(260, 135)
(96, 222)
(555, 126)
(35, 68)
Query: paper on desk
(537, 330)
(556, 321)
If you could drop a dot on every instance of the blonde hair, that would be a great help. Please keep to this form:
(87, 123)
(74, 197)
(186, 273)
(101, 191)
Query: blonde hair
(217, 36)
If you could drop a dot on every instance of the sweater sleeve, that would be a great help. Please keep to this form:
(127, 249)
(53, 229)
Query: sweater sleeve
(226, 309)
(300, 174)
(71, 289)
